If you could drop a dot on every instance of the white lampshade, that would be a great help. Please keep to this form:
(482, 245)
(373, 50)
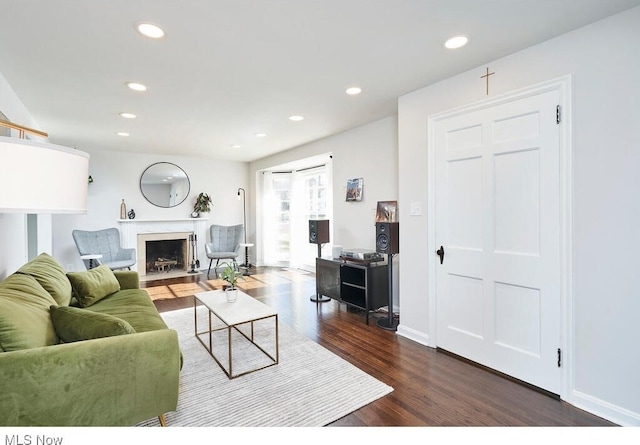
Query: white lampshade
(38, 177)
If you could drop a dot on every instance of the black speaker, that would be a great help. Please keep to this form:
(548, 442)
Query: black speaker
(387, 237)
(318, 231)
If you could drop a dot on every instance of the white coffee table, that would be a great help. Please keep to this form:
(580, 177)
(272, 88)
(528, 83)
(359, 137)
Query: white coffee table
(245, 310)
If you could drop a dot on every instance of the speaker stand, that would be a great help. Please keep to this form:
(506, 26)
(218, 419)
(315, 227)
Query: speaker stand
(389, 323)
(317, 298)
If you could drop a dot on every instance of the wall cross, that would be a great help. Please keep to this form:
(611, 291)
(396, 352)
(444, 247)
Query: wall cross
(487, 77)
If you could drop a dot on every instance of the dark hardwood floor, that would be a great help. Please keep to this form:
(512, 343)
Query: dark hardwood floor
(431, 387)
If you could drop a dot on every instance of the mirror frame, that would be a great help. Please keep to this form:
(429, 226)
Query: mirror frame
(149, 199)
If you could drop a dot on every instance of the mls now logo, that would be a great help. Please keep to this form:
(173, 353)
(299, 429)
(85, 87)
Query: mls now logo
(28, 439)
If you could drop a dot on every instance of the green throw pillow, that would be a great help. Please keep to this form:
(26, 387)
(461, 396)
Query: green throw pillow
(51, 276)
(93, 285)
(75, 324)
(24, 314)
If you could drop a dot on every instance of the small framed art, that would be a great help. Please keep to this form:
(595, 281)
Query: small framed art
(354, 189)
(387, 211)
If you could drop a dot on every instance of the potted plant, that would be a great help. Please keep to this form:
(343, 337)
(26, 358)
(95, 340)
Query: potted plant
(203, 204)
(231, 275)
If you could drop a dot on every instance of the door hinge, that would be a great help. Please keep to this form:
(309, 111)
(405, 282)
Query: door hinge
(559, 357)
(558, 114)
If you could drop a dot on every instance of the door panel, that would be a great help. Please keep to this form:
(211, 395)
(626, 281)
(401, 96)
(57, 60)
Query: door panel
(497, 215)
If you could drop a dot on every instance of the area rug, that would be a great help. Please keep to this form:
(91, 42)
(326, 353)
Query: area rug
(309, 387)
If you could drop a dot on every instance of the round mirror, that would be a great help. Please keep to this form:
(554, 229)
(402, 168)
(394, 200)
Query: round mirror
(164, 184)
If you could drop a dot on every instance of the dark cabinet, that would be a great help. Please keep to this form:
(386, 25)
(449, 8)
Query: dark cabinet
(364, 285)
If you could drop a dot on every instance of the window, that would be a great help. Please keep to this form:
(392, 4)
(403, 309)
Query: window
(289, 200)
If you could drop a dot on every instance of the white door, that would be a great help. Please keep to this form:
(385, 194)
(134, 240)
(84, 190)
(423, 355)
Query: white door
(497, 218)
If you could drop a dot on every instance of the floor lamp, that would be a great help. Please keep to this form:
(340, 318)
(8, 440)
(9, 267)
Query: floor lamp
(246, 245)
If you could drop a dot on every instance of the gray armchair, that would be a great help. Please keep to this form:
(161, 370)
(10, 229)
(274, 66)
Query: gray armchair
(225, 244)
(105, 242)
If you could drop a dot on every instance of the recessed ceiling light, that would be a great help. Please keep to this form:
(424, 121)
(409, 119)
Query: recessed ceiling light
(122, 133)
(296, 118)
(260, 135)
(456, 42)
(136, 86)
(235, 146)
(353, 91)
(128, 115)
(150, 30)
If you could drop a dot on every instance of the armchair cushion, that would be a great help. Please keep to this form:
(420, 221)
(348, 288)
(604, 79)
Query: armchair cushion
(93, 285)
(76, 324)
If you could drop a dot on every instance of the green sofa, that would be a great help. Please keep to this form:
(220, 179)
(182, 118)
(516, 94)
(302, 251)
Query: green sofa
(83, 349)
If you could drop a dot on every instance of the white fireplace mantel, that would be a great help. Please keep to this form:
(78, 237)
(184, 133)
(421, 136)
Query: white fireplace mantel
(130, 228)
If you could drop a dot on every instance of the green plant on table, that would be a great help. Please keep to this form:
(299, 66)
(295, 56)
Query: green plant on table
(231, 275)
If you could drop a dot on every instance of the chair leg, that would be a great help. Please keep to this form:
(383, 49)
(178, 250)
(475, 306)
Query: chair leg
(162, 420)
(210, 261)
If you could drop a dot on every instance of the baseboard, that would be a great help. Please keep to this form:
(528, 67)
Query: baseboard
(606, 410)
(412, 334)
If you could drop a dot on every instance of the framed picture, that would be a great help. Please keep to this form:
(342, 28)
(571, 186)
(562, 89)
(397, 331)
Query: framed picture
(387, 211)
(354, 189)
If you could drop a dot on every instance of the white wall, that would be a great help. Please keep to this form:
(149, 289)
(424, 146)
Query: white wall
(13, 227)
(604, 64)
(117, 177)
(368, 152)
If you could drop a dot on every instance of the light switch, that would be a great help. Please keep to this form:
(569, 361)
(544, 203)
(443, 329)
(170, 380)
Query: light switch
(416, 208)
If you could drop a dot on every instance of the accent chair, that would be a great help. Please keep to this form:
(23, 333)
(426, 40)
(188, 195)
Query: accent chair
(105, 245)
(225, 244)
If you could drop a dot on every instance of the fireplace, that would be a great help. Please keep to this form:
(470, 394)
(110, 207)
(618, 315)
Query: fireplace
(163, 253)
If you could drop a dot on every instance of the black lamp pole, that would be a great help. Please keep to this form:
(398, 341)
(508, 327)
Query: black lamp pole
(244, 211)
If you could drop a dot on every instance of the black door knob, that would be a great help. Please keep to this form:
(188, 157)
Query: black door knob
(440, 253)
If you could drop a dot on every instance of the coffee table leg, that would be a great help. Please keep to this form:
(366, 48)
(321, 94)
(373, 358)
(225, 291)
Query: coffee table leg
(230, 353)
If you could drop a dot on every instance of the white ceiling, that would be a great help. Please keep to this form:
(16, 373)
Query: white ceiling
(228, 69)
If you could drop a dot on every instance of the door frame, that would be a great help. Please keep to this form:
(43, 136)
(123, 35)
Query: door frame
(563, 86)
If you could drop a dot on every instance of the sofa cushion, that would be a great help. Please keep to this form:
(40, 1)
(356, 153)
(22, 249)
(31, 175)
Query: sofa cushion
(76, 324)
(93, 285)
(135, 307)
(51, 275)
(24, 314)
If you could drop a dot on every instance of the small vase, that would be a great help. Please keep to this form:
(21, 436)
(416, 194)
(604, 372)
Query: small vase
(231, 294)
(123, 210)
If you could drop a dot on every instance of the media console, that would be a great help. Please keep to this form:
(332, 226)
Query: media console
(360, 284)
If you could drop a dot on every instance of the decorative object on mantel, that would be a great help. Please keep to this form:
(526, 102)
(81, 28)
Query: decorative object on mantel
(231, 275)
(90, 179)
(51, 178)
(131, 214)
(354, 189)
(202, 205)
(123, 210)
